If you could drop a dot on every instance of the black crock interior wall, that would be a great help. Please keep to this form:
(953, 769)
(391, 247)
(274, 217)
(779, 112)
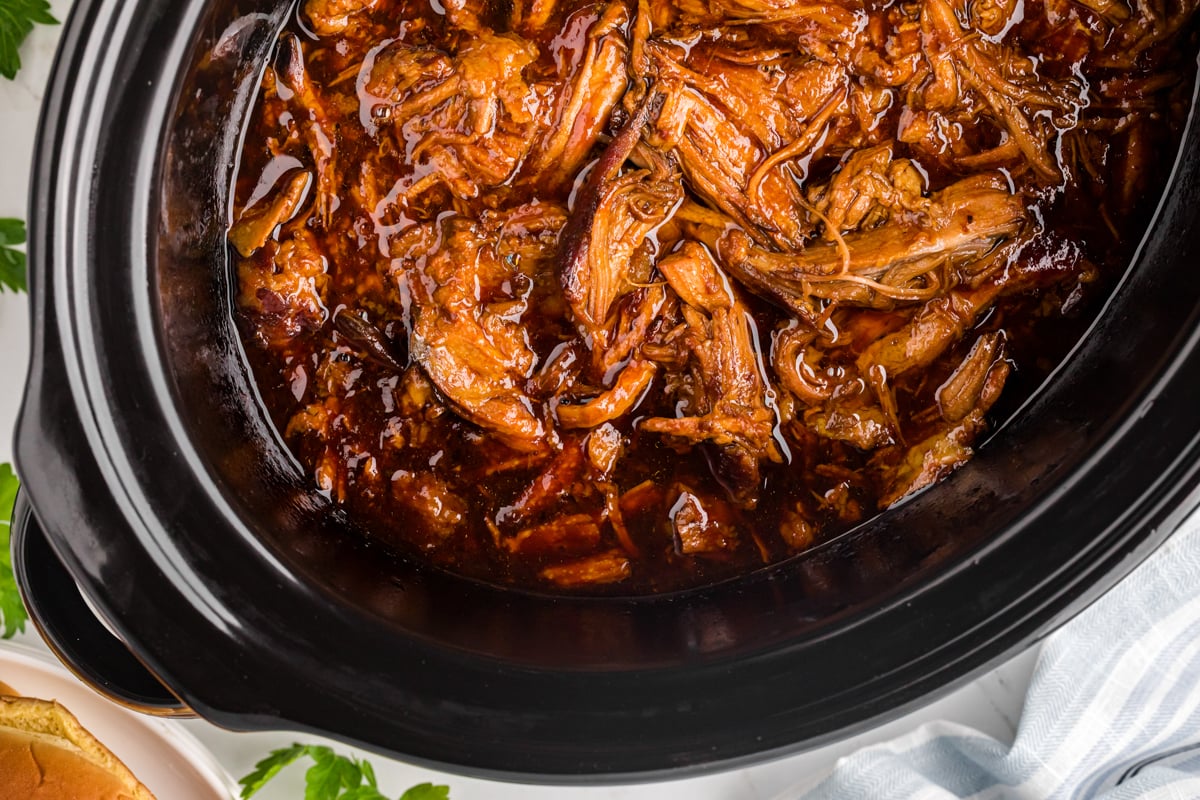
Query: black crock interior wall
(229, 429)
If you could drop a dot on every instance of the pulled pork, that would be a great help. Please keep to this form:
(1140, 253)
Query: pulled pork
(640, 294)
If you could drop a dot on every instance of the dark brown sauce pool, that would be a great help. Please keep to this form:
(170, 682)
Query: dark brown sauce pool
(397, 449)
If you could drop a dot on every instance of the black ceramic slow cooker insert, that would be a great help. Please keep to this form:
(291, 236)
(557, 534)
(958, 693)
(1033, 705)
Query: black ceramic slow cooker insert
(154, 481)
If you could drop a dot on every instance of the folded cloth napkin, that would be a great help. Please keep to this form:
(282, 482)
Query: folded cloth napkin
(1112, 712)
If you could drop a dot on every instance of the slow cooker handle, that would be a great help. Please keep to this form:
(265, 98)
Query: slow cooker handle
(71, 628)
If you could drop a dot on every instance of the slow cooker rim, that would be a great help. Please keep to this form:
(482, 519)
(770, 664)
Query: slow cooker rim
(47, 237)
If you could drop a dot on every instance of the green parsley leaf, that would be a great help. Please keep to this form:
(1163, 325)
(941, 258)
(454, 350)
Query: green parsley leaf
(368, 772)
(12, 610)
(269, 767)
(12, 262)
(8, 492)
(12, 231)
(363, 793)
(331, 777)
(17, 18)
(427, 791)
(326, 778)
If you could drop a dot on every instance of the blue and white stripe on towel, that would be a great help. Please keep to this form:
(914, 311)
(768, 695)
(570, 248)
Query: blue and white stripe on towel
(1112, 712)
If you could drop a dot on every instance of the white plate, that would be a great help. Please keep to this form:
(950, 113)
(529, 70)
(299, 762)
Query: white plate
(165, 758)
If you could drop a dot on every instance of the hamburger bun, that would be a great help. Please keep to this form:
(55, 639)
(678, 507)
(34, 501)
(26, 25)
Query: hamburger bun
(45, 754)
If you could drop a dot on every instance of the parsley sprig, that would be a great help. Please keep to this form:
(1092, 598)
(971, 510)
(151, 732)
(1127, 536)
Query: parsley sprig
(17, 18)
(331, 777)
(12, 610)
(12, 261)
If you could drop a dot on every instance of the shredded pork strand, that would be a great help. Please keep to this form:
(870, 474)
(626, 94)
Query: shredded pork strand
(643, 293)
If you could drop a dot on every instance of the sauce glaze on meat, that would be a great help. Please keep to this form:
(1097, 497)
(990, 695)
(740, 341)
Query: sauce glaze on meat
(632, 295)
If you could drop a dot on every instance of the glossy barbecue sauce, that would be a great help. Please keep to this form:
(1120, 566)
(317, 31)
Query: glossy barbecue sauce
(606, 297)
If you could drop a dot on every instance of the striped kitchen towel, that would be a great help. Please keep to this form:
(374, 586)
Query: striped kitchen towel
(1112, 712)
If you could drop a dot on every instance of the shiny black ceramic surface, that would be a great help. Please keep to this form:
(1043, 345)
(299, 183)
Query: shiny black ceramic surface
(159, 483)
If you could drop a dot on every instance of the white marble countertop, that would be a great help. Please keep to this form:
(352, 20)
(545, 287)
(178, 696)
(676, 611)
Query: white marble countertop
(991, 704)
